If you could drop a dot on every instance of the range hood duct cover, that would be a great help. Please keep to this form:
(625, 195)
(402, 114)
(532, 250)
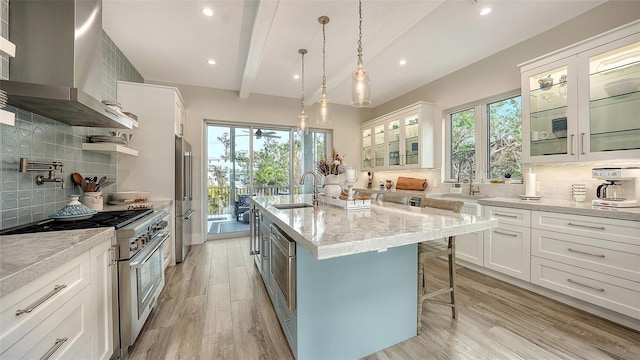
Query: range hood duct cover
(57, 71)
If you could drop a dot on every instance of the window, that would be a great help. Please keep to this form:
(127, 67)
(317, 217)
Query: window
(485, 139)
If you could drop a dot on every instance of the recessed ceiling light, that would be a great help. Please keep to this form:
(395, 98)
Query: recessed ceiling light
(402, 62)
(211, 62)
(207, 11)
(485, 11)
(296, 76)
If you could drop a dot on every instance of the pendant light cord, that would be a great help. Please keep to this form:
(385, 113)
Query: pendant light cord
(302, 52)
(360, 33)
(324, 40)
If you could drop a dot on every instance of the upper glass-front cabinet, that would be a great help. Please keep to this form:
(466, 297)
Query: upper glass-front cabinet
(582, 103)
(613, 109)
(401, 139)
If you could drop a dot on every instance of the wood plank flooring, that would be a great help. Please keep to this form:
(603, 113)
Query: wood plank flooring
(215, 306)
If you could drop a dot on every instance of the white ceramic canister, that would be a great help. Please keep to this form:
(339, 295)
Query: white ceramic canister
(93, 200)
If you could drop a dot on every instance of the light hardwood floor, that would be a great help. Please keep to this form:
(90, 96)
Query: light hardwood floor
(214, 306)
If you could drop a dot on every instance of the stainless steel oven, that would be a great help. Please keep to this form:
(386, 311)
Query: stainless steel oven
(283, 265)
(140, 273)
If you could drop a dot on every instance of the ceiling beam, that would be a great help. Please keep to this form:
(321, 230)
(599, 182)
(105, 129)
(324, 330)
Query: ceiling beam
(259, 36)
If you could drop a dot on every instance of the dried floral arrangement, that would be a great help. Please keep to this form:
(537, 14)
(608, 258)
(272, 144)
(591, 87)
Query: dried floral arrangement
(333, 165)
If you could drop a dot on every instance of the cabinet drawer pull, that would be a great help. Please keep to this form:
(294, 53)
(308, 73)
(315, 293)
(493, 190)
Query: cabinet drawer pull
(585, 253)
(506, 215)
(504, 233)
(39, 302)
(582, 143)
(587, 226)
(585, 285)
(54, 348)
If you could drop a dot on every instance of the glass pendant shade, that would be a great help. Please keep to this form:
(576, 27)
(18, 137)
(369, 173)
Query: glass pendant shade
(324, 110)
(360, 95)
(303, 121)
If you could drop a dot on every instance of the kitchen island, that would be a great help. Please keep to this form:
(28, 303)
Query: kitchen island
(355, 273)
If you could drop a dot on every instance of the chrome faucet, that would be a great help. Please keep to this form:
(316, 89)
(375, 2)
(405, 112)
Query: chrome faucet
(472, 189)
(315, 185)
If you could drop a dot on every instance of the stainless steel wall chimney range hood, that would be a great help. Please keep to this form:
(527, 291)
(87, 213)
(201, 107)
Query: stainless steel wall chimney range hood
(57, 71)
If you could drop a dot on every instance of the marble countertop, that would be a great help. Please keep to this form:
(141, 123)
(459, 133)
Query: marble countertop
(565, 207)
(329, 232)
(25, 257)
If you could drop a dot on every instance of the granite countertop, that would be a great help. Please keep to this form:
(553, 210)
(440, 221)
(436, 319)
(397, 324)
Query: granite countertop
(565, 207)
(26, 257)
(329, 232)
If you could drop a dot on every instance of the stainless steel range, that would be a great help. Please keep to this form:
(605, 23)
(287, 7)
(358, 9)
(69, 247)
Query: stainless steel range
(140, 272)
(140, 234)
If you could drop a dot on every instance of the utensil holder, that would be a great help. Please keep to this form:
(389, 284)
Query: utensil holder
(93, 200)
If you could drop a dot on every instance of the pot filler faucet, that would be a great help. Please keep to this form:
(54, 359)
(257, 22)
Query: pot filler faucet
(315, 184)
(51, 167)
(472, 190)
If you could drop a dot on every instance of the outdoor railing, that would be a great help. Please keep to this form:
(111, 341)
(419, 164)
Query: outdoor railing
(220, 201)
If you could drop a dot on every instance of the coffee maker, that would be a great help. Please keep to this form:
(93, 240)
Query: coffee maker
(621, 188)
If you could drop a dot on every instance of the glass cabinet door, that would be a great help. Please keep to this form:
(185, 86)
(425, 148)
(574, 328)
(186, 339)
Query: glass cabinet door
(367, 154)
(548, 112)
(378, 141)
(411, 143)
(614, 101)
(393, 137)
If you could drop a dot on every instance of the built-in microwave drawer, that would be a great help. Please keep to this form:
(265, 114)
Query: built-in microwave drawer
(610, 292)
(609, 257)
(509, 216)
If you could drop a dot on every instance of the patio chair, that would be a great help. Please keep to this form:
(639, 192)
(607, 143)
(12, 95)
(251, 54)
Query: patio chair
(242, 205)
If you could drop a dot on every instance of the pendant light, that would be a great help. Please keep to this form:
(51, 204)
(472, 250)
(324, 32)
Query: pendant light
(324, 109)
(360, 95)
(303, 126)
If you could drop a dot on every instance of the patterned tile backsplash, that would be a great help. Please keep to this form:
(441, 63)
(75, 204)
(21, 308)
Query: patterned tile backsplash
(41, 139)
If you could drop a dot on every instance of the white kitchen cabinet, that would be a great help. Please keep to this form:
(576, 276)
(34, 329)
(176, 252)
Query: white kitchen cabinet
(66, 313)
(507, 248)
(180, 115)
(593, 259)
(153, 170)
(581, 103)
(402, 139)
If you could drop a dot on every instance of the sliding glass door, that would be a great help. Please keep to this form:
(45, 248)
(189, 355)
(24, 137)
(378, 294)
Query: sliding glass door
(254, 160)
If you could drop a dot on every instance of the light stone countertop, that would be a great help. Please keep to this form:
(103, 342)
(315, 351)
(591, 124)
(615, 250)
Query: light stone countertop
(565, 207)
(328, 232)
(26, 257)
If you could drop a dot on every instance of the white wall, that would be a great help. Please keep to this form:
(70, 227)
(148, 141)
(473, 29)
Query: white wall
(222, 105)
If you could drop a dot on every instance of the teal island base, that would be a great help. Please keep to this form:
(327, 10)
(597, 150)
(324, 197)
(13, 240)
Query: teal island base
(352, 306)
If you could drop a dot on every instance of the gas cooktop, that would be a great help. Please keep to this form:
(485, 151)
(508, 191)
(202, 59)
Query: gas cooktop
(116, 219)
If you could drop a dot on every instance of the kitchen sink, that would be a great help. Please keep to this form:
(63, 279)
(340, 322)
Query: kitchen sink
(291, 206)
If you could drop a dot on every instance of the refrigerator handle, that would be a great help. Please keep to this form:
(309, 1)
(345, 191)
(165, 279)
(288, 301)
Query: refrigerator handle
(190, 176)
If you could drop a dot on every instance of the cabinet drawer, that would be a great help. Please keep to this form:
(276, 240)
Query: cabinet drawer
(509, 216)
(69, 322)
(507, 249)
(610, 292)
(74, 275)
(612, 258)
(602, 228)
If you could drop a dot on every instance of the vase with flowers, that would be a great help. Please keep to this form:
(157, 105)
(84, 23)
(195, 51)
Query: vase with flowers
(331, 168)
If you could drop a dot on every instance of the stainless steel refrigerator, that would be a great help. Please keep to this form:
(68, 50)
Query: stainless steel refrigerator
(184, 196)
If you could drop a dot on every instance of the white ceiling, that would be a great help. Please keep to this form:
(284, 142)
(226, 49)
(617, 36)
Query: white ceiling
(255, 43)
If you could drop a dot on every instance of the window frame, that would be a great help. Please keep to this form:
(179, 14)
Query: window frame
(481, 158)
